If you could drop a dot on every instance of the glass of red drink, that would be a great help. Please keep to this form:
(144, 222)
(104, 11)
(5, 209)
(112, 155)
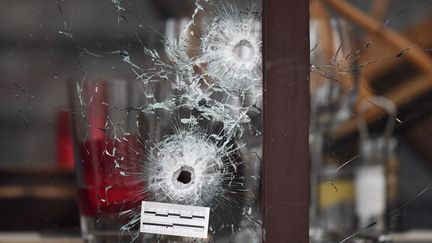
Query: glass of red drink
(108, 149)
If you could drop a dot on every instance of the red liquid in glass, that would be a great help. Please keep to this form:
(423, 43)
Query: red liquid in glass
(107, 189)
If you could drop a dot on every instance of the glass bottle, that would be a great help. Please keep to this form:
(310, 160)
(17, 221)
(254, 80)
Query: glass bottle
(376, 176)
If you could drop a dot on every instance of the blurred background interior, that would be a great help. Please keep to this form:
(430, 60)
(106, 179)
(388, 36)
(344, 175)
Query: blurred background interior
(45, 43)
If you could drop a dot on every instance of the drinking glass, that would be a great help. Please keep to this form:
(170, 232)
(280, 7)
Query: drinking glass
(107, 143)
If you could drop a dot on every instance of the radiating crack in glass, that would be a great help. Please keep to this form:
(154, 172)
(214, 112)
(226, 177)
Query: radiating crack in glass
(229, 102)
(198, 168)
(334, 173)
(231, 48)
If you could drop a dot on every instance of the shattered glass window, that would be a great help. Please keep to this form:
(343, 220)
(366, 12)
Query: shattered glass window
(132, 121)
(370, 114)
(179, 127)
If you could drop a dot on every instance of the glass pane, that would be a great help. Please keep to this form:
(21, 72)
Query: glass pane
(183, 131)
(150, 107)
(370, 96)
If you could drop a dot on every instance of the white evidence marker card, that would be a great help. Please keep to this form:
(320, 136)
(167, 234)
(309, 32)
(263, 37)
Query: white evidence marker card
(174, 219)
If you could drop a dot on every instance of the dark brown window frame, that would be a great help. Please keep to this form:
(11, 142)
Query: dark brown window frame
(286, 121)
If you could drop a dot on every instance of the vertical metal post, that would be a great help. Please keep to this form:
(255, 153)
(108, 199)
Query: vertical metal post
(286, 121)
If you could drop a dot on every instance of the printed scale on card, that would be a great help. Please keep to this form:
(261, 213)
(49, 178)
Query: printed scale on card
(174, 219)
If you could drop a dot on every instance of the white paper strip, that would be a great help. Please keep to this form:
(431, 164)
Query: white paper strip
(174, 219)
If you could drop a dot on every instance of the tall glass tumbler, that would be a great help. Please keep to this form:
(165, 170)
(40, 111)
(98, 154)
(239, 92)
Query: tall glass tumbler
(107, 144)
